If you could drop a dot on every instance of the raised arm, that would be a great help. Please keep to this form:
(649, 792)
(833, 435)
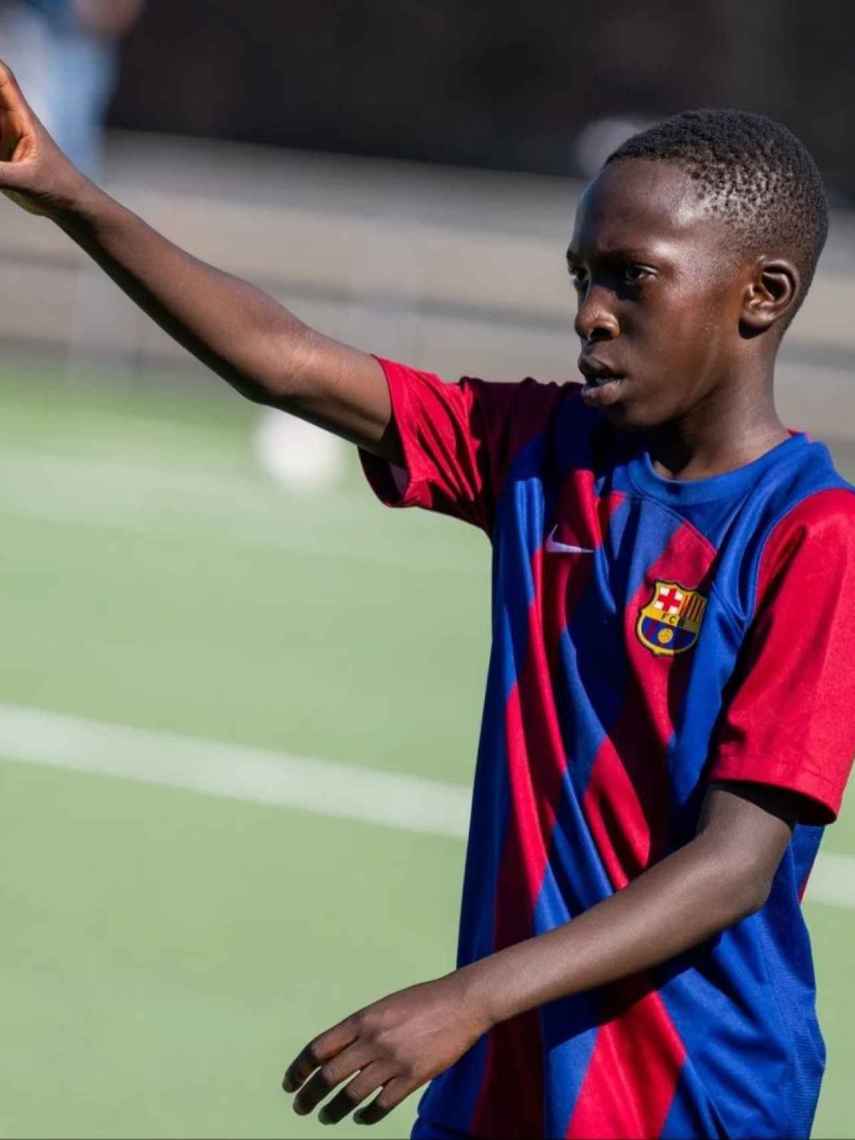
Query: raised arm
(241, 333)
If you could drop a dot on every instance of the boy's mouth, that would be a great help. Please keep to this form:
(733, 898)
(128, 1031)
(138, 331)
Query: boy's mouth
(602, 384)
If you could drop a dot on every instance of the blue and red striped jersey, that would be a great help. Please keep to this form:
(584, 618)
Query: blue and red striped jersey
(649, 636)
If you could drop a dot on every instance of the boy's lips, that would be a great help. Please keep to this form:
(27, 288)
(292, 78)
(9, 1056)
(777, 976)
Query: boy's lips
(603, 383)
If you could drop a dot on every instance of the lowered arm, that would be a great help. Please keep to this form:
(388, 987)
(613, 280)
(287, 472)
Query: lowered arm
(721, 876)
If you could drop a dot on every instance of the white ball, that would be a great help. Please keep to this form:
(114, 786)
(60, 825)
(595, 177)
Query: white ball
(296, 454)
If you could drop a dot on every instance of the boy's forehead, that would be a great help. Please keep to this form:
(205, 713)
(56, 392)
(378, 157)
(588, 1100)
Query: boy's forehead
(637, 201)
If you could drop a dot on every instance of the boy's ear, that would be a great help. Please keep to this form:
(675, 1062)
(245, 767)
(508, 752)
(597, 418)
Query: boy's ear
(771, 294)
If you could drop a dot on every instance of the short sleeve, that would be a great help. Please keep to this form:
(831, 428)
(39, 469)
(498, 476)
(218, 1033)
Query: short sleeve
(790, 718)
(458, 440)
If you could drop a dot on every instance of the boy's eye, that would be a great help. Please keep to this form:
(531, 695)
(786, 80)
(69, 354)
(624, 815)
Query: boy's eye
(578, 276)
(635, 274)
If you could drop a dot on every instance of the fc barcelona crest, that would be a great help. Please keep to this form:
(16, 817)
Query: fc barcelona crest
(671, 620)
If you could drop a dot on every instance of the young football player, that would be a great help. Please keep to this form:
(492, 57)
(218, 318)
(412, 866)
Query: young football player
(668, 722)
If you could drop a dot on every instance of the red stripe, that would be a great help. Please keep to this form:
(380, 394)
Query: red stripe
(511, 1099)
(626, 805)
(620, 826)
(510, 1102)
(629, 1086)
(627, 799)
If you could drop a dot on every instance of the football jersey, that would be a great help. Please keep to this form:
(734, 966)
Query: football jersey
(649, 636)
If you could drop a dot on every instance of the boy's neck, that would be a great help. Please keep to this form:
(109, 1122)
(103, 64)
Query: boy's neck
(728, 430)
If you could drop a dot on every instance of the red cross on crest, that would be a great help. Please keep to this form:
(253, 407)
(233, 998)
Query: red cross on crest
(670, 621)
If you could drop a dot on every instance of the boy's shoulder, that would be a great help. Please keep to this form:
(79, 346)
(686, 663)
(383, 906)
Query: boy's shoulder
(525, 422)
(807, 486)
(799, 520)
(815, 504)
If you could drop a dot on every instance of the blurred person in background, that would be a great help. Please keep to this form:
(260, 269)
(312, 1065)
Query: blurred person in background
(58, 47)
(69, 46)
(68, 52)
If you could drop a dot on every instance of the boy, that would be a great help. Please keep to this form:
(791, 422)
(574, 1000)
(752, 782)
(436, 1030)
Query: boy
(667, 725)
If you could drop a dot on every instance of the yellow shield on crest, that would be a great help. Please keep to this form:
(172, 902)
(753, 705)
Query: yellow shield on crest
(671, 621)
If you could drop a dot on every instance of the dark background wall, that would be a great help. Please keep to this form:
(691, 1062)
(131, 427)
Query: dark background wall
(496, 85)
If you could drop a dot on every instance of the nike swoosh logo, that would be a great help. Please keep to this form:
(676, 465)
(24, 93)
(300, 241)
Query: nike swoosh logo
(553, 546)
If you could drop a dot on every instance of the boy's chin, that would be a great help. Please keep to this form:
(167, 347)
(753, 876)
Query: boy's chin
(638, 415)
(624, 406)
(627, 417)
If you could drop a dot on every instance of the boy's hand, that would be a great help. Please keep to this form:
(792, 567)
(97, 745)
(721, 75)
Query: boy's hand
(395, 1045)
(34, 172)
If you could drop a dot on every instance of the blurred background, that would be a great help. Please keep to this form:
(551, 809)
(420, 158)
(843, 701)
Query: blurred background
(239, 703)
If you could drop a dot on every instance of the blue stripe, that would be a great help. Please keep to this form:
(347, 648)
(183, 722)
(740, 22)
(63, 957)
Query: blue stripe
(568, 1026)
(591, 698)
(514, 593)
(688, 752)
(518, 536)
(452, 1098)
(743, 1006)
(691, 1113)
(804, 847)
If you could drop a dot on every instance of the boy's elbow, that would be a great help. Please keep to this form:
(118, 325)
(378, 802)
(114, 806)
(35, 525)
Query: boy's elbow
(744, 888)
(743, 837)
(755, 894)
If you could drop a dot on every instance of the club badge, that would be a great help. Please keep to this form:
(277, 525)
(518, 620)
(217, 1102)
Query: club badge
(671, 621)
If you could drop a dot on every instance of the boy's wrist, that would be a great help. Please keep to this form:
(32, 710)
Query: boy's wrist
(488, 990)
(81, 207)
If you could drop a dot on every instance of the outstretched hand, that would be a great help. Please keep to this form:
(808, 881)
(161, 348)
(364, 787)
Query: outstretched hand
(394, 1045)
(34, 173)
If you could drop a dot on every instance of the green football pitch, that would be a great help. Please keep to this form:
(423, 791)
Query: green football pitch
(167, 950)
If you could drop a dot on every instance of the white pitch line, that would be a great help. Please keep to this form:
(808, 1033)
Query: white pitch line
(832, 880)
(258, 775)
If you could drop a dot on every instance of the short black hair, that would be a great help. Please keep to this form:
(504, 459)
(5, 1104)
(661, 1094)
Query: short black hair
(750, 171)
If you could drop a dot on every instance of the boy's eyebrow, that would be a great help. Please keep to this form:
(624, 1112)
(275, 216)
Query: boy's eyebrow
(628, 253)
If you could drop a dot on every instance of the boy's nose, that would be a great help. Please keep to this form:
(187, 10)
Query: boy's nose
(595, 319)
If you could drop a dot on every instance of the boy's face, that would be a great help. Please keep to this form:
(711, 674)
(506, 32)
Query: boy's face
(660, 295)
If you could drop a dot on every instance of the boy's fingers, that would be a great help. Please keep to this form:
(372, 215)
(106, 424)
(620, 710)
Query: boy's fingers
(301, 1068)
(332, 1073)
(393, 1093)
(17, 126)
(317, 1053)
(313, 1092)
(352, 1095)
(13, 103)
(7, 77)
(11, 98)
